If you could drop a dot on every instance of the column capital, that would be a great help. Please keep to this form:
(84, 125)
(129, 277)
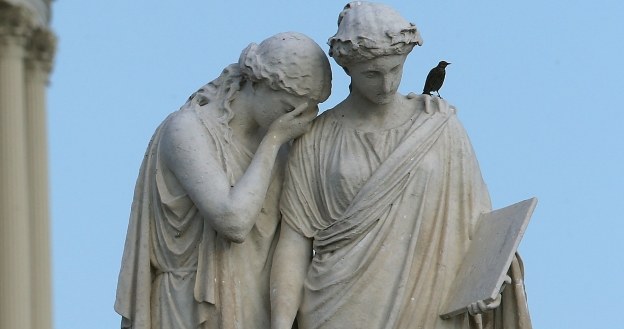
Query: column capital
(15, 24)
(40, 49)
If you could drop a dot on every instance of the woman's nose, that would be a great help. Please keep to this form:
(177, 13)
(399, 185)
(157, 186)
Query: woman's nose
(387, 85)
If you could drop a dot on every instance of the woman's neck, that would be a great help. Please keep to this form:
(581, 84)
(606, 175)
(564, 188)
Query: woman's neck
(361, 113)
(367, 108)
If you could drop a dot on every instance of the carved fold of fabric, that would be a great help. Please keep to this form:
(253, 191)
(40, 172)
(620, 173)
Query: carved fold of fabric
(384, 186)
(161, 250)
(177, 272)
(135, 278)
(389, 232)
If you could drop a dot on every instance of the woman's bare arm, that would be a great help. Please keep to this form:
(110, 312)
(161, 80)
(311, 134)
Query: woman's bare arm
(290, 264)
(231, 209)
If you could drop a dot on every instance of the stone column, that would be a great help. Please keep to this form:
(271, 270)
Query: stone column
(40, 51)
(15, 283)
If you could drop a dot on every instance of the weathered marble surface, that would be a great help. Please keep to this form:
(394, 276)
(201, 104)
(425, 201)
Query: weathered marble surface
(204, 217)
(386, 191)
(491, 251)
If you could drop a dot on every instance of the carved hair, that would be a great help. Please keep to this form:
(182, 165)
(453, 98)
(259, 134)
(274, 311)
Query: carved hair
(367, 30)
(222, 89)
(289, 61)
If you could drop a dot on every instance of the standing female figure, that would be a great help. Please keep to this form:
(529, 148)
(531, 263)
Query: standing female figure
(204, 216)
(384, 192)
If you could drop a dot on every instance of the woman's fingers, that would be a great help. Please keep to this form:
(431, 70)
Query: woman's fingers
(299, 109)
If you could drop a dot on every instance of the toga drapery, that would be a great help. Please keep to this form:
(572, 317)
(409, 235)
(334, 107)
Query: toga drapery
(177, 272)
(390, 214)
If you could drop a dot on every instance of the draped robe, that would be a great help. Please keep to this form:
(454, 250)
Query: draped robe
(390, 214)
(179, 273)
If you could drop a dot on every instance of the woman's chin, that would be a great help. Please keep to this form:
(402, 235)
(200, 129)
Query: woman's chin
(383, 99)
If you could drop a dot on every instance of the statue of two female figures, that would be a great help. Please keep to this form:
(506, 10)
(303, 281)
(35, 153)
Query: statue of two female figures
(378, 203)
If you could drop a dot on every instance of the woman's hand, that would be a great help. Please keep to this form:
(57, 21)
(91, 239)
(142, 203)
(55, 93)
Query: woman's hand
(482, 307)
(294, 123)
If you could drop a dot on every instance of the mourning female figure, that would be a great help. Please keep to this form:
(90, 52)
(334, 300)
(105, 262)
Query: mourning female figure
(204, 216)
(384, 191)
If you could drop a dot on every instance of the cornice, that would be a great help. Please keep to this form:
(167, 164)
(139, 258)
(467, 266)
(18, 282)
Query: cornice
(40, 10)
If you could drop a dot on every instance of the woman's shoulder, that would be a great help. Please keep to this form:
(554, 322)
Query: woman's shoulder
(179, 123)
(322, 127)
(331, 116)
(187, 124)
(327, 120)
(430, 104)
(325, 116)
(193, 118)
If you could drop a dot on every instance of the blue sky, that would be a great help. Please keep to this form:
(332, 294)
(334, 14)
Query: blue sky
(538, 86)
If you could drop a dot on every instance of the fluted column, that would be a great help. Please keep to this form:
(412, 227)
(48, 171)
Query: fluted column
(15, 283)
(40, 51)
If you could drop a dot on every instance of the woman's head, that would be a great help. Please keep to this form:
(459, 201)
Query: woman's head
(369, 30)
(291, 62)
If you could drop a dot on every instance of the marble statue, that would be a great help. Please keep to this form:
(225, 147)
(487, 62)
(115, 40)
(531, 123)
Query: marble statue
(205, 217)
(380, 200)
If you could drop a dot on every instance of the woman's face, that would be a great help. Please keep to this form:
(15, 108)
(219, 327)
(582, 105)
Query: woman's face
(271, 104)
(378, 79)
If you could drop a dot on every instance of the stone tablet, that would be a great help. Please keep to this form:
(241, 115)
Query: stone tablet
(489, 256)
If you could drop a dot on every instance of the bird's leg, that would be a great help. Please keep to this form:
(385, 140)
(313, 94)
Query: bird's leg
(439, 94)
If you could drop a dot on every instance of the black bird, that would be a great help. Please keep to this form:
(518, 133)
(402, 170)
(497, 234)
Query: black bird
(435, 79)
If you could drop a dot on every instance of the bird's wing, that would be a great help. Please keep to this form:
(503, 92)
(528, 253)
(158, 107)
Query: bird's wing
(428, 82)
